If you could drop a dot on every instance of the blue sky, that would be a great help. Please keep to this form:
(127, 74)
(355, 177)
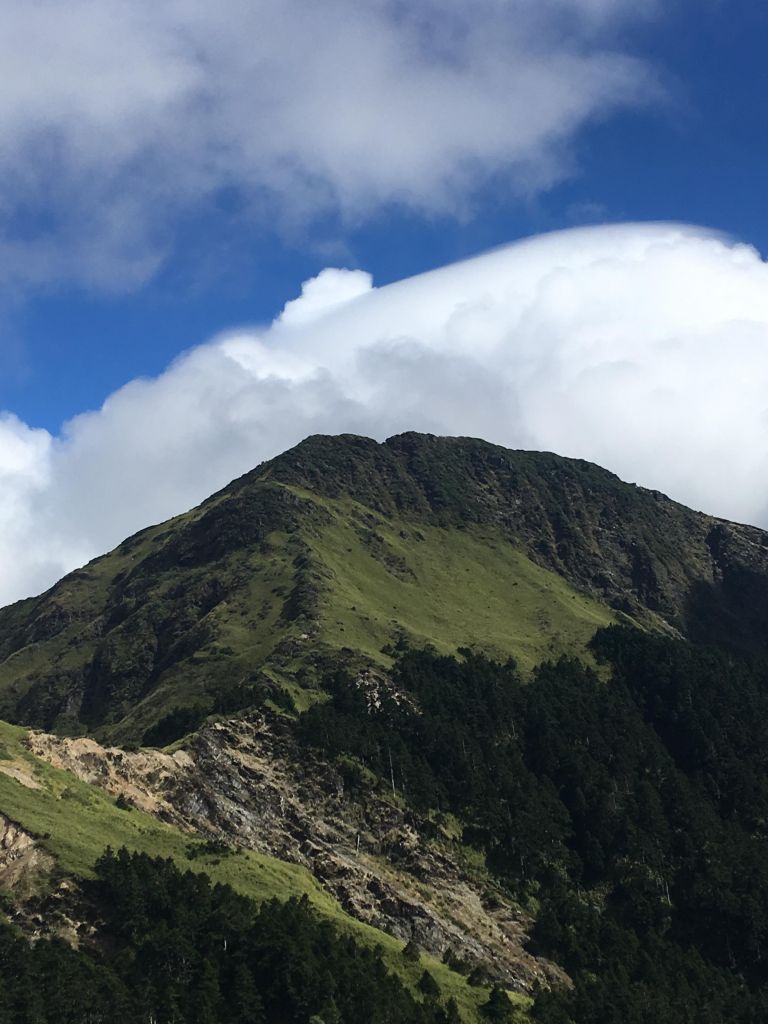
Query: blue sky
(172, 174)
(699, 154)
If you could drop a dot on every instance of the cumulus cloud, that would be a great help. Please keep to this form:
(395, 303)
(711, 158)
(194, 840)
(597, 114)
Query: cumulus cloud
(117, 117)
(332, 287)
(643, 348)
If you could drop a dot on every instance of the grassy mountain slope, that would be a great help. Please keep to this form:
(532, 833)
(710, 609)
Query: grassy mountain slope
(342, 547)
(74, 822)
(634, 549)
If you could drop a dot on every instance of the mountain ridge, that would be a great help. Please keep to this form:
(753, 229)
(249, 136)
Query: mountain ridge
(535, 486)
(342, 544)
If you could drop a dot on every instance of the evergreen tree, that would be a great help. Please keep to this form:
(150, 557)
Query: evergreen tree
(428, 986)
(498, 1008)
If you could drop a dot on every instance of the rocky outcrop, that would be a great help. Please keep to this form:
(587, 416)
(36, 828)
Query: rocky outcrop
(22, 860)
(246, 783)
(41, 908)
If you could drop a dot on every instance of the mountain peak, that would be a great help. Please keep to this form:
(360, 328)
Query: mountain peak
(343, 543)
(421, 473)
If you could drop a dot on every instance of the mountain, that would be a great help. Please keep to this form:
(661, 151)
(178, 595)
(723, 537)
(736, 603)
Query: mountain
(343, 548)
(422, 732)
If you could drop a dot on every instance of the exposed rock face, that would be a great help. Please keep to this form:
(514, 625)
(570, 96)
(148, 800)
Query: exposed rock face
(56, 913)
(247, 783)
(21, 858)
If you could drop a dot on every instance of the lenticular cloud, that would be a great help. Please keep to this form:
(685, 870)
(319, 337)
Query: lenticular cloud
(641, 347)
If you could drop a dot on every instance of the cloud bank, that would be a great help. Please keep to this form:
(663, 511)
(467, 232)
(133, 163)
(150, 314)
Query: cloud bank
(118, 118)
(642, 348)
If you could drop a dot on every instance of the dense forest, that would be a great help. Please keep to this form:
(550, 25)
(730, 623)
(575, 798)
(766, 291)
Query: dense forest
(171, 948)
(631, 813)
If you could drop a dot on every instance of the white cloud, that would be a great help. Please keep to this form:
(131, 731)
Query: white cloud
(119, 116)
(331, 288)
(642, 348)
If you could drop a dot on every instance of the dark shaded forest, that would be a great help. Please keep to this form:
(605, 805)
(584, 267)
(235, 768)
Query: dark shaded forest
(630, 812)
(171, 948)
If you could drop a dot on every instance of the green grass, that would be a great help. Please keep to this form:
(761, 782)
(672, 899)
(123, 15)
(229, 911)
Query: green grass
(462, 588)
(75, 822)
(465, 587)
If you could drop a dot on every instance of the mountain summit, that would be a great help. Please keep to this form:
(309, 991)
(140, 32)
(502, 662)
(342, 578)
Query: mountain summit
(344, 548)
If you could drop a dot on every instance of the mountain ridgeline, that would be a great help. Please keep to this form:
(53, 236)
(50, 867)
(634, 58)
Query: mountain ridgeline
(343, 549)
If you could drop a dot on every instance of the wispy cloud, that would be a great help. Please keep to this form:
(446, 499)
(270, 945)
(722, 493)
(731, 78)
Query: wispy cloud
(117, 117)
(643, 348)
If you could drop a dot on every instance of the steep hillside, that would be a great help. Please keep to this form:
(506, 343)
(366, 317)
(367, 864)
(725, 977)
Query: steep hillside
(248, 782)
(633, 549)
(344, 549)
(55, 823)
